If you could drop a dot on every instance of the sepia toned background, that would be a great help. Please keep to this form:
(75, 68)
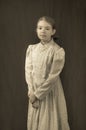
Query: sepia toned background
(17, 30)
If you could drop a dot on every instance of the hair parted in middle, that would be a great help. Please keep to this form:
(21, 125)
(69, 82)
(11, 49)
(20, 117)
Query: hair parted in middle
(49, 20)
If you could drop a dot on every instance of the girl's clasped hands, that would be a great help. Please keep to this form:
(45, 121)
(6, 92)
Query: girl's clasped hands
(33, 99)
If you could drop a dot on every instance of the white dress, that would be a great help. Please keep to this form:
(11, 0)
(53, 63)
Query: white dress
(43, 66)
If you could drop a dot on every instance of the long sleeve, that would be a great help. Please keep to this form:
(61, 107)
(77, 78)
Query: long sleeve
(28, 67)
(56, 68)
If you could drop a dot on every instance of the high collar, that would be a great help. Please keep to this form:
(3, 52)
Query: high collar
(47, 44)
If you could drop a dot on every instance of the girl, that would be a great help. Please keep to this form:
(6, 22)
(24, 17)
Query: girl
(43, 65)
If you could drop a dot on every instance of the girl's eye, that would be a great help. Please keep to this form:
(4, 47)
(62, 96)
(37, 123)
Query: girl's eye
(47, 28)
(40, 28)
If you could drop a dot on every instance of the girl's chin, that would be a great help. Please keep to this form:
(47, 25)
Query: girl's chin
(43, 39)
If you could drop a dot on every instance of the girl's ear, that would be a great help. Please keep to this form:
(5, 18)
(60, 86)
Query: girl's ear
(54, 31)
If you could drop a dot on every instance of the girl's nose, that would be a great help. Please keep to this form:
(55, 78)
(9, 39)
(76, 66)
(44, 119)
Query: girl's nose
(43, 30)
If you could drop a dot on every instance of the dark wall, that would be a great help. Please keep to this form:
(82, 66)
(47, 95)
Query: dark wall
(17, 29)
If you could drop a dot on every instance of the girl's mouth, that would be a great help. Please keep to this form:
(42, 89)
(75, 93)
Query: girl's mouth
(43, 35)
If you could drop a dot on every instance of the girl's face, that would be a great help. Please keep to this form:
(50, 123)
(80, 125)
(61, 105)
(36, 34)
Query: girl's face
(44, 31)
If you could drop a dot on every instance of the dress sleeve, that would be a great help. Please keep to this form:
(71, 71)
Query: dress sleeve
(56, 68)
(28, 67)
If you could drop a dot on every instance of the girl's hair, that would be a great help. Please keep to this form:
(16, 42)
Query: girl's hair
(49, 20)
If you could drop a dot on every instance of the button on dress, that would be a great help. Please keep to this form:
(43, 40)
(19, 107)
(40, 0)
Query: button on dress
(43, 65)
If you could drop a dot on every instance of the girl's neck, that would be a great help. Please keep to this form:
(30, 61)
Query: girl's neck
(45, 42)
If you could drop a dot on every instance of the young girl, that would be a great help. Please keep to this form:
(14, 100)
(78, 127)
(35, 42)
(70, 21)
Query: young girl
(43, 65)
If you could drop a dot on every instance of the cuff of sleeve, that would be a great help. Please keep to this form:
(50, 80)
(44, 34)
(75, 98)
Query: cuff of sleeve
(38, 95)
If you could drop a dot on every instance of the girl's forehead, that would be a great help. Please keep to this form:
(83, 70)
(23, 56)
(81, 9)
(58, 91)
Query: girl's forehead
(43, 23)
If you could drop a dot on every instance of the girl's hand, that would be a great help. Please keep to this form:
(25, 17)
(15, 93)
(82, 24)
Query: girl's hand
(32, 97)
(36, 104)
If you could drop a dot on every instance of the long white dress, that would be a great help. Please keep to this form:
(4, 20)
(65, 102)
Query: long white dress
(43, 66)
